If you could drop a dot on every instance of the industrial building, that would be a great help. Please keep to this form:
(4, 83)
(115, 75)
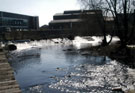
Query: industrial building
(79, 21)
(17, 22)
(70, 19)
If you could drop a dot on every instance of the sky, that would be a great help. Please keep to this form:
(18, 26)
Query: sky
(45, 9)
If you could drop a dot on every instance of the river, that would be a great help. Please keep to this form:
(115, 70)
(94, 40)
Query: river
(58, 66)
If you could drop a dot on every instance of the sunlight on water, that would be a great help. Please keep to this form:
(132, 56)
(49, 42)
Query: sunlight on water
(97, 79)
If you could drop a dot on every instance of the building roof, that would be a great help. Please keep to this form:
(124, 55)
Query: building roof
(62, 14)
(77, 12)
(66, 21)
(80, 11)
(58, 14)
(16, 15)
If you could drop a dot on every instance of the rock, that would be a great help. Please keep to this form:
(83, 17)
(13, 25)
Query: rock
(56, 42)
(82, 66)
(69, 76)
(57, 68)
(71, 37)
(118, 89)
(11, 47)
(85, 53)
(69, 49)
(1, 49)
(53, 77)
(43, 71)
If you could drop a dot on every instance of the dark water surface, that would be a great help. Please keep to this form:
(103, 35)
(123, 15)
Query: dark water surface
(63, 69)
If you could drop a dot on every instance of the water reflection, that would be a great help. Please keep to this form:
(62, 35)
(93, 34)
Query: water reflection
(21, 59)
(23, 63)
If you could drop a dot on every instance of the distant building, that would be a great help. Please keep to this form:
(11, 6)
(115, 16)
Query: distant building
(67, 19)
(78, 20)
(44, 27)
(17, 22)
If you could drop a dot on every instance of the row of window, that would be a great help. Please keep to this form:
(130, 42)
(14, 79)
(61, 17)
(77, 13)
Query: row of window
(13, 22)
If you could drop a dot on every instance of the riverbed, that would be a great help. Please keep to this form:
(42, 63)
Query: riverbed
(58, 66)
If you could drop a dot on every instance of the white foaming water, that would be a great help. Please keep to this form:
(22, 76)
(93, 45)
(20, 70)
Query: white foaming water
(1, 44)
(79, 42)
(41, 43)
(82, 42)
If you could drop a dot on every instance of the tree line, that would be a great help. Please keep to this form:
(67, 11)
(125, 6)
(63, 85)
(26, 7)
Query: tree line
(123, 14)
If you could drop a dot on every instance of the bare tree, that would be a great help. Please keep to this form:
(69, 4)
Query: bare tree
(122, 11)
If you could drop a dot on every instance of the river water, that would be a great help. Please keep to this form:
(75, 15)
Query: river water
(58, 66)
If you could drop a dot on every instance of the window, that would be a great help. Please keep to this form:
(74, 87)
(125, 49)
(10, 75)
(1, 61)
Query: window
(0, 21)
(14, 22)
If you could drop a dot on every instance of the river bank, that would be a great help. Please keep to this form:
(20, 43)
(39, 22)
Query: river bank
(8, 84)
(115, 52)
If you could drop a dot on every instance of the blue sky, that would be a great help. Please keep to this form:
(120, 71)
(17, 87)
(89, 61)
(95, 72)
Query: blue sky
(45, 9)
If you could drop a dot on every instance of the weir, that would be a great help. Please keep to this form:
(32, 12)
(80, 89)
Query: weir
(46, 34)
